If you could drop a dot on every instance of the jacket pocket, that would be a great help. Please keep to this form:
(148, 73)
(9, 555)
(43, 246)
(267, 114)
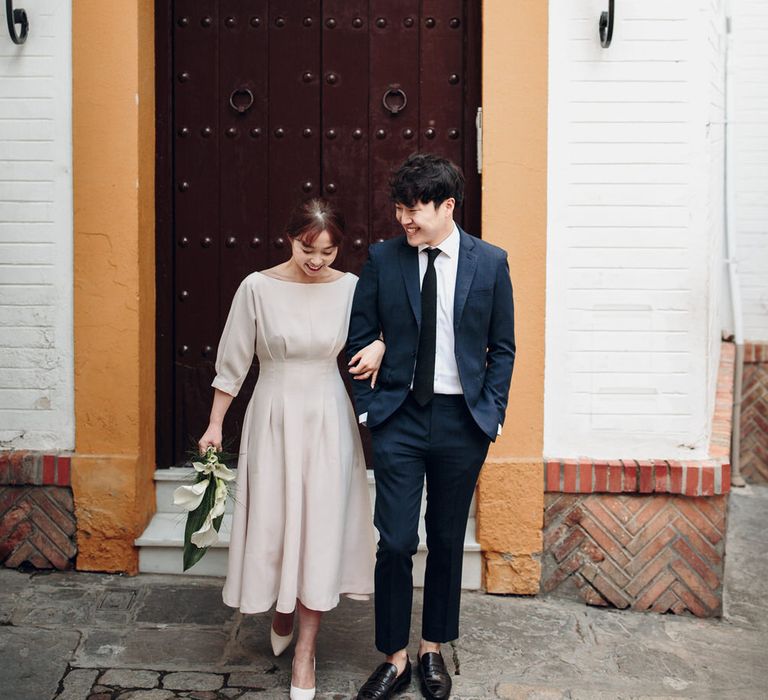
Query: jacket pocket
(480, 290)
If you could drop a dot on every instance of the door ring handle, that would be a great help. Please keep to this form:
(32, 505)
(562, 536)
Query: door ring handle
(245, 106)
(394, 91)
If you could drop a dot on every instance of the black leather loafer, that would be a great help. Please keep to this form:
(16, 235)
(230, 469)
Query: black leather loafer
(435, 679)
(384, 682)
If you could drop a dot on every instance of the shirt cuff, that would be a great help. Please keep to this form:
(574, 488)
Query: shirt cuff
(363, 418)
(498, 431)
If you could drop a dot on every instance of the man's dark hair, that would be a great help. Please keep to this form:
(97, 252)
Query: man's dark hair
(427, 178)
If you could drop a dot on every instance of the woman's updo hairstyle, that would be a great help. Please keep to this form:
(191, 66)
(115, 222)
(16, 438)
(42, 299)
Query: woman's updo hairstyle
(310, 218)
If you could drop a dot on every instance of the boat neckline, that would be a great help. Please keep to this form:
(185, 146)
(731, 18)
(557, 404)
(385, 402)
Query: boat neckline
(304, 284)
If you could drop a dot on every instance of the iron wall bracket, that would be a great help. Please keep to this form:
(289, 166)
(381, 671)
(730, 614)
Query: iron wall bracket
(15, 17)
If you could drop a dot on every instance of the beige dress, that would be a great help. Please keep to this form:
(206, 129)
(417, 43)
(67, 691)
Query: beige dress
(302, 525)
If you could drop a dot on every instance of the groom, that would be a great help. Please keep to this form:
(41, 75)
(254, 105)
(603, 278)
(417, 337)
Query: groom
(442, 300)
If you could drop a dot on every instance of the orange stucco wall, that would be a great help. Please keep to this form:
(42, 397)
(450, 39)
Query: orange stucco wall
(511, 488)
(113, 142)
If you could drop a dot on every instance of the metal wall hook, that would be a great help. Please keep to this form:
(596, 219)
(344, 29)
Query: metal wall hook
(15, 17)
(606, 25)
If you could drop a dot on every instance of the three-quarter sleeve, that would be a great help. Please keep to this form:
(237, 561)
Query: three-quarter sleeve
(238, 342)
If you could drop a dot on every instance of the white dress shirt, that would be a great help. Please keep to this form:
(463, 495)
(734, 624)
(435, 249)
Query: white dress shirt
(446, 266)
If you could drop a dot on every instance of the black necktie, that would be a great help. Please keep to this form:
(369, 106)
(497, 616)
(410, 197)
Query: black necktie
(424, 376)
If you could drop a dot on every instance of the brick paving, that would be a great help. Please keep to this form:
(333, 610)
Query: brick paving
(37, 518)
(754, 414)
(661, 553)
(37, 527)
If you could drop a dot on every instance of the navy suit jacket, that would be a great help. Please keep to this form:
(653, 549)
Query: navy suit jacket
(388, 301)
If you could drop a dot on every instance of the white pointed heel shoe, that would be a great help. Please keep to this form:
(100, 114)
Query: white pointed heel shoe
(303, 693)
(279, 643)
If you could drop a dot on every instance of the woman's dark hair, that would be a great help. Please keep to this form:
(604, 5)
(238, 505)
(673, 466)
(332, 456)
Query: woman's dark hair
(427, 178)
(313, 216)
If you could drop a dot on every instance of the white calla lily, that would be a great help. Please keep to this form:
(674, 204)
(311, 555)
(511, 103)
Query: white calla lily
(190, 496)
(219, 499)
(222, 471)
(206, 535)
(212, 474)
(202, 467)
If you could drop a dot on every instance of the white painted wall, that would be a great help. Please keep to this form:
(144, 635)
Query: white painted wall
(748, 86)
(36, 280)
(635, 229)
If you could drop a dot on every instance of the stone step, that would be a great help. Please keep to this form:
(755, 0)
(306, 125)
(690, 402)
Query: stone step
(161, 544)
(160, 551)
(167, 480)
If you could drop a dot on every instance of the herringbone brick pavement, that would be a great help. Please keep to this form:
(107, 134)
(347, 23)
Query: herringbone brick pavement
(37, 526)
(754, 423)
(661, 553)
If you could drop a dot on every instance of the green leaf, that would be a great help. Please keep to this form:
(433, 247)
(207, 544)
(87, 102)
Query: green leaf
(195, 520)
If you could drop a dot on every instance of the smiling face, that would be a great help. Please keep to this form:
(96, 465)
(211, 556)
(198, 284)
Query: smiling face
(314, 258)
(426, 224)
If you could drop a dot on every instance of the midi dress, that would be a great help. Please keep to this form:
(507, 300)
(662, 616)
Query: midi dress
(302, 526)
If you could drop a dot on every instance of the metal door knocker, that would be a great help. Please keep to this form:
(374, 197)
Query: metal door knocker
(606, 25)
(15, 17)
(394, 91)
(241, 100)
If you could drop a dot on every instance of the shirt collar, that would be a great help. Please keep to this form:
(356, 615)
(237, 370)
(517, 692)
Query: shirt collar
(450, 246)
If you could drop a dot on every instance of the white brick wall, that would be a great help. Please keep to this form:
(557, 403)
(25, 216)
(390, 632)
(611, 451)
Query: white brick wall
(634, 231)
(748, 83)
(36, 344)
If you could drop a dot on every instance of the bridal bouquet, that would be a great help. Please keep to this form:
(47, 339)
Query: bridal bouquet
(204, 501)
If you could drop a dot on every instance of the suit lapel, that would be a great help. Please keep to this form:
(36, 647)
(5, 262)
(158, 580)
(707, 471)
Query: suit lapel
(409, 264)
(464, 275)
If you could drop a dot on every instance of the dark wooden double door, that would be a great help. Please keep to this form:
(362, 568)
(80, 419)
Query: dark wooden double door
(262, 103)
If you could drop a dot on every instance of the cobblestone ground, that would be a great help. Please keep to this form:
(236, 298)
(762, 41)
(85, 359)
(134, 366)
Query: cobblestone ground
(73, 636)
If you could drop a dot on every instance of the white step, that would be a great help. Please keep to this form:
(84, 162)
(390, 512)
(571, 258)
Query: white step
(161, 547)
(161, 544)
(166, 481)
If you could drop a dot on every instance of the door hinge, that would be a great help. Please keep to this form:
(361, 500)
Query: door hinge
(479, 132)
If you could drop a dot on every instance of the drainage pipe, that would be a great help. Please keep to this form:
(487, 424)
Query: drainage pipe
(732, 264)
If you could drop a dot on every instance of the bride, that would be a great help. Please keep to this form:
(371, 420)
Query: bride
(302, 533)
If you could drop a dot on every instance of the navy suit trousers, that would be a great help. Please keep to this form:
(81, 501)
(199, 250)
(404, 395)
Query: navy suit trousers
(443, 444)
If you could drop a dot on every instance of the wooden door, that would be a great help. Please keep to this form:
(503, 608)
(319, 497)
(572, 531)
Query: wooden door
(262, 103)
